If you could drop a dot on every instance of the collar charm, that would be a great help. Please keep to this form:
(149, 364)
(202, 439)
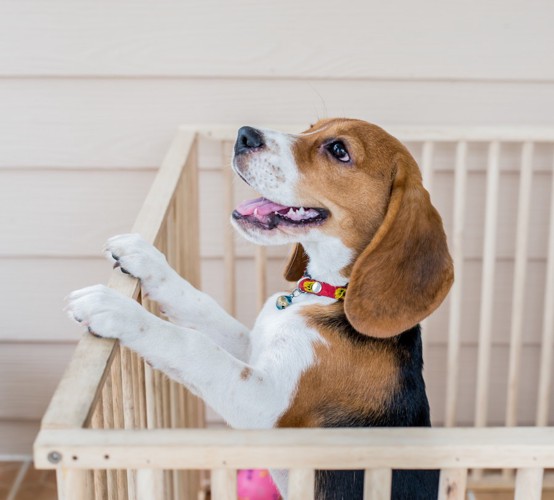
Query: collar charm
(308, 285)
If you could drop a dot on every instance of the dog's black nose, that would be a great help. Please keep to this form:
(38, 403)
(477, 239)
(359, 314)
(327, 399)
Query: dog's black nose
(248, 138)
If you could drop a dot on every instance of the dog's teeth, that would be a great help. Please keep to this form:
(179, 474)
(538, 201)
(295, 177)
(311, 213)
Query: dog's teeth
(290, 213)
(301, 211)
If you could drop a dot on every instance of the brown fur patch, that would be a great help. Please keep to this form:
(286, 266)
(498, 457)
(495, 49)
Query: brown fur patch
(378, 207)
(246, 373)
(349, 377)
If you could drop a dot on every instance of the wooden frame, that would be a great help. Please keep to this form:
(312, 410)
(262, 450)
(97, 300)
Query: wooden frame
(115, 428)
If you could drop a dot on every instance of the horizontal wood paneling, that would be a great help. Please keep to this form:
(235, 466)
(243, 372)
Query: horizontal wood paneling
(67, 213)
(29, 374)
(32, 292)
(508, 39)
(129, 122)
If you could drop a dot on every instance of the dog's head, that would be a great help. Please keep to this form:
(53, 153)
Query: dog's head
(352, 181)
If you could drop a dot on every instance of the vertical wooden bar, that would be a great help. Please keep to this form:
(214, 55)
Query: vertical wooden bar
(117, 394)
(427, 165)
(301, 484)
(545, 379)
(186, 205)
(107, 404)
(149, 484)
(487, 286)
(224, 484)
(100, 480)
(427, 177)
(520, 269)
(74, 484)
(377, 484)
(141, 391)
(229, 245)
(128, 392)
(261, 276)
(529, 484)
(452, 484)
(149, 396)
(454, 319)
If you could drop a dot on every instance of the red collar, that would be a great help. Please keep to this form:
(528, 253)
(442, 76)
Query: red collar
(307, 284)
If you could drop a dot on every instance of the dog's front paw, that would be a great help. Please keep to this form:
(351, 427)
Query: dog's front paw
(107, 313)
(135, 256)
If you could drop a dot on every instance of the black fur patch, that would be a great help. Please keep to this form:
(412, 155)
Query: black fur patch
(408, 407)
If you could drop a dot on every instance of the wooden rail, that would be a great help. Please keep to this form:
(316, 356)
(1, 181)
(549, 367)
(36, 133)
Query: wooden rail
(115, 428)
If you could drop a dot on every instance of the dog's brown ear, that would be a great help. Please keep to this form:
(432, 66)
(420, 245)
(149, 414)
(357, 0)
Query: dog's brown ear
(406, 271)
(297, 263)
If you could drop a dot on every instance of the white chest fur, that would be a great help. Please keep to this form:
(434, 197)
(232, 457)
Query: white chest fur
(282, 346)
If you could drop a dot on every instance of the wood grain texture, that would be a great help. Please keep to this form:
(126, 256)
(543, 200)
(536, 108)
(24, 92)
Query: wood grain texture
(419, 448)
(116, 122)
(63, 38)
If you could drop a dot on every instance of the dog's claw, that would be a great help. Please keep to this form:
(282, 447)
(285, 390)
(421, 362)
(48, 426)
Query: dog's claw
(89, 329)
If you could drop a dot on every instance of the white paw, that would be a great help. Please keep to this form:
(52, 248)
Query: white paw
(134, 256)
(107, 313)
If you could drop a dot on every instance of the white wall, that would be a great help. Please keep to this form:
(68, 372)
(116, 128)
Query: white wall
(91, 92)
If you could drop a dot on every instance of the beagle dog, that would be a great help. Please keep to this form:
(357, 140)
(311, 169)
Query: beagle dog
(343, 349)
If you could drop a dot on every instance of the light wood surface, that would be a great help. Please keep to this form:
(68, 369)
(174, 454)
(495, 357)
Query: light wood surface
(377, 484)
(297, 448)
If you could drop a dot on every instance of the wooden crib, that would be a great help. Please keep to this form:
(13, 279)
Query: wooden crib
(115, 428)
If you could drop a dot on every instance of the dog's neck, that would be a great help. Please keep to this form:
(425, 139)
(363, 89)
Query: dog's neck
(327, 260)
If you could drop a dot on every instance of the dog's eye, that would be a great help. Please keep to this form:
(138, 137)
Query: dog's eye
(338, 150)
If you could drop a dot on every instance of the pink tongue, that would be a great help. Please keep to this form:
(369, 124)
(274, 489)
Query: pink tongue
(263, 206)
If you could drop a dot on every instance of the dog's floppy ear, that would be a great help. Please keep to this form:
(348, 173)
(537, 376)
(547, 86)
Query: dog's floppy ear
(405, 271)
(297, 263)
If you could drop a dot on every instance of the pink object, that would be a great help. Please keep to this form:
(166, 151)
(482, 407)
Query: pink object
(256, 484)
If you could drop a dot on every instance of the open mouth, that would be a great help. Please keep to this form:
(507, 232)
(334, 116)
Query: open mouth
(267, 214)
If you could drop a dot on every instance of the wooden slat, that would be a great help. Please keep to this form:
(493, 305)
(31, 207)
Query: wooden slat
(261, 276)
(529, 484)
(78, 390)
(229, 253)
(99, 476)
(118, 418)
(149, 485)
(301, 484)
(487, 286)
(108, 418)
(425, 448)
(454, 319)
(452, 484)
(186, 206)
(129, 44)
(377, 484)
(75, 483)
(520, 272)
(427, 165)
(545, 377)
(224, 484)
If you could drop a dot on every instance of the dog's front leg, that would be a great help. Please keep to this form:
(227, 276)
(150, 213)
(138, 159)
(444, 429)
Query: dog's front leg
(239, 392)
(183, 304)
